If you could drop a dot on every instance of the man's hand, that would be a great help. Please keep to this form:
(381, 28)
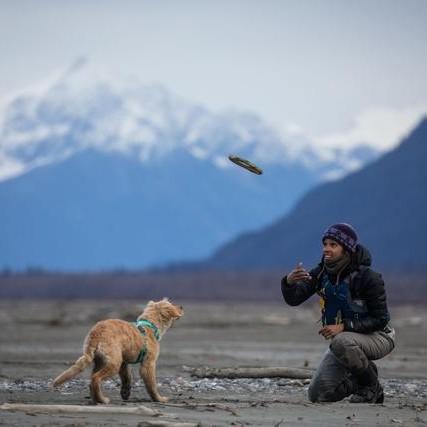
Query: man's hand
(298, 274)
(330, 331)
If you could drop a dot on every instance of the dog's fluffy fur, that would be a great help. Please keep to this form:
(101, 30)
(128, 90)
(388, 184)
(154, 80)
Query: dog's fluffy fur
(112, 344)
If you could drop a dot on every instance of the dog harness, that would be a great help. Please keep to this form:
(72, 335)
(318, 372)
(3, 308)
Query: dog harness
(140, 325)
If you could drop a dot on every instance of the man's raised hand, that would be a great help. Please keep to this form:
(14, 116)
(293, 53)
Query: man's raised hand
(298, 274)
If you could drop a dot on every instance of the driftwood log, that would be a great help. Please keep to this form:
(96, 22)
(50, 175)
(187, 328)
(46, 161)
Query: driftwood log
(79, 409)
(167, 424)
(203, 405)
(282, 372)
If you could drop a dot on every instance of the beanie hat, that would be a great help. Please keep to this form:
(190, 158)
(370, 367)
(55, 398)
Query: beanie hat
(342, 233)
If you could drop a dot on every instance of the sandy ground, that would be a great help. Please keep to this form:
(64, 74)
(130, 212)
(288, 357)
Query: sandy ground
(39, 339)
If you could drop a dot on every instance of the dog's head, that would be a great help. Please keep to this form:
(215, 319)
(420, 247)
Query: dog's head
(162, 312)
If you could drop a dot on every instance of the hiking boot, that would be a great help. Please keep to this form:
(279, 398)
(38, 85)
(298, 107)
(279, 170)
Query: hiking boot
(369, 394)
(369, 390)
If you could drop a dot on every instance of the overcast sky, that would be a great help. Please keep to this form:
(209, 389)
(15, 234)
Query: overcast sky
(338, 71)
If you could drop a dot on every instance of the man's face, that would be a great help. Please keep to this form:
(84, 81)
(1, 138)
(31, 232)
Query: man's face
(332, 250)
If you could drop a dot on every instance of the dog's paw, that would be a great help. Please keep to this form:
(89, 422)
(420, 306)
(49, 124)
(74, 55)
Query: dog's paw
(162, 399)
(125, 393)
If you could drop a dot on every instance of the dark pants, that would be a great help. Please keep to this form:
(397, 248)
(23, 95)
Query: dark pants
(348, 352)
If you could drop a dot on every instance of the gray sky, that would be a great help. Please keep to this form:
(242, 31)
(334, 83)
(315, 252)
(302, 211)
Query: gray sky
(338, 71)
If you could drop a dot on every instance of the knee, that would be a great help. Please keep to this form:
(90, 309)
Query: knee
(348, 352)
(318, 390)
(341, 344)
(313, 393)
(317, 396)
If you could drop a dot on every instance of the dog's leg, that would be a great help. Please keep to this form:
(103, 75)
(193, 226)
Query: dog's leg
(98, 364)
(126, 378)
(148, 374)
(110, 369)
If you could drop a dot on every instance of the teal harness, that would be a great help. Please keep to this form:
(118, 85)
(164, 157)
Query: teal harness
(140, 325)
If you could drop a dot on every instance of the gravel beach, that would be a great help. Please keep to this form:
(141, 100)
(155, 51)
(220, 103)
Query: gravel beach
(39, 339)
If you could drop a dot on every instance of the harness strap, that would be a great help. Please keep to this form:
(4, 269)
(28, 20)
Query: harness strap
(140, 324)
(356, 308)
(141, 355)
(144, 322)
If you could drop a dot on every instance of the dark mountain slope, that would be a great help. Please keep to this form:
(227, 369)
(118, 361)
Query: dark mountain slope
(386, 202)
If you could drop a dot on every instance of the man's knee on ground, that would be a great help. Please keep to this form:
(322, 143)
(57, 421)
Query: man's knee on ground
(320, 390)
(313, 395)
(316, 396)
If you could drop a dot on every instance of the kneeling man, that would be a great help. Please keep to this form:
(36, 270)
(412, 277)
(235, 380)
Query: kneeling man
(354, 316)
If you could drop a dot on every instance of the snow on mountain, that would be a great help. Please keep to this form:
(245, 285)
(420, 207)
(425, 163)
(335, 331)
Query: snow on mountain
(106, 173)
(83, 107)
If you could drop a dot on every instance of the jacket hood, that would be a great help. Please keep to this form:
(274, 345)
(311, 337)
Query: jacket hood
(362, 256)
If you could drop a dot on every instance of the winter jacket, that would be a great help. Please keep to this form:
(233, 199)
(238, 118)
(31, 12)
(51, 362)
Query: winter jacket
(364, 284)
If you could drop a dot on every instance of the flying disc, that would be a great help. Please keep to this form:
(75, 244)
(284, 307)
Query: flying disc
(245, 164)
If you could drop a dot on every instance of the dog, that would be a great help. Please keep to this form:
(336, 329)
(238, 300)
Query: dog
(111, 345)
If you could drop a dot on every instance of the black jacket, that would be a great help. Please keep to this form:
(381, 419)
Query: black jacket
(365, 285)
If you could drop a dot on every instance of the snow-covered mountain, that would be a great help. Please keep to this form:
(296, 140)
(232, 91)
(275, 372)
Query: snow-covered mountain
(101, 174)
(83, 107)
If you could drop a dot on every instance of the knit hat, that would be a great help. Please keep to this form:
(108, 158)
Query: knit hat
(342, 233)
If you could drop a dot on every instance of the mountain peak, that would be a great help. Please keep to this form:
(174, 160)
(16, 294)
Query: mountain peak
(85, 107)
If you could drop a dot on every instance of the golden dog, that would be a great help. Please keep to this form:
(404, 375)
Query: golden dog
(113, 344)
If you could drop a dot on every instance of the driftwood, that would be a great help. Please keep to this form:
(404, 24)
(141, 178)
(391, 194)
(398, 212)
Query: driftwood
(79, 409)
(167, 424)
(283, 372)
(203, 406)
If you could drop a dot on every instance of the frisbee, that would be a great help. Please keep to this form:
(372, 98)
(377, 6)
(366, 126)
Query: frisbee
(245, 164)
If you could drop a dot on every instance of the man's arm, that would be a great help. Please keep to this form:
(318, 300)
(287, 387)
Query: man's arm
(299, 291)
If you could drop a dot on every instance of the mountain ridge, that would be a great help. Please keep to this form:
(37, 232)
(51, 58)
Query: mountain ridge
(132, 176)
(83, 108)
(384, 201)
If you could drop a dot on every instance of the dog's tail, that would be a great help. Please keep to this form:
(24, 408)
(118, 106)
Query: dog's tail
(79, 366)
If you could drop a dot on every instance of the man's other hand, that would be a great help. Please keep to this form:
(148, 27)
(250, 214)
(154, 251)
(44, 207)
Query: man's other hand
(330, 331)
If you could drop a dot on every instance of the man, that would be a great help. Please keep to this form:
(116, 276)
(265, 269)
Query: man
(354, 317)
